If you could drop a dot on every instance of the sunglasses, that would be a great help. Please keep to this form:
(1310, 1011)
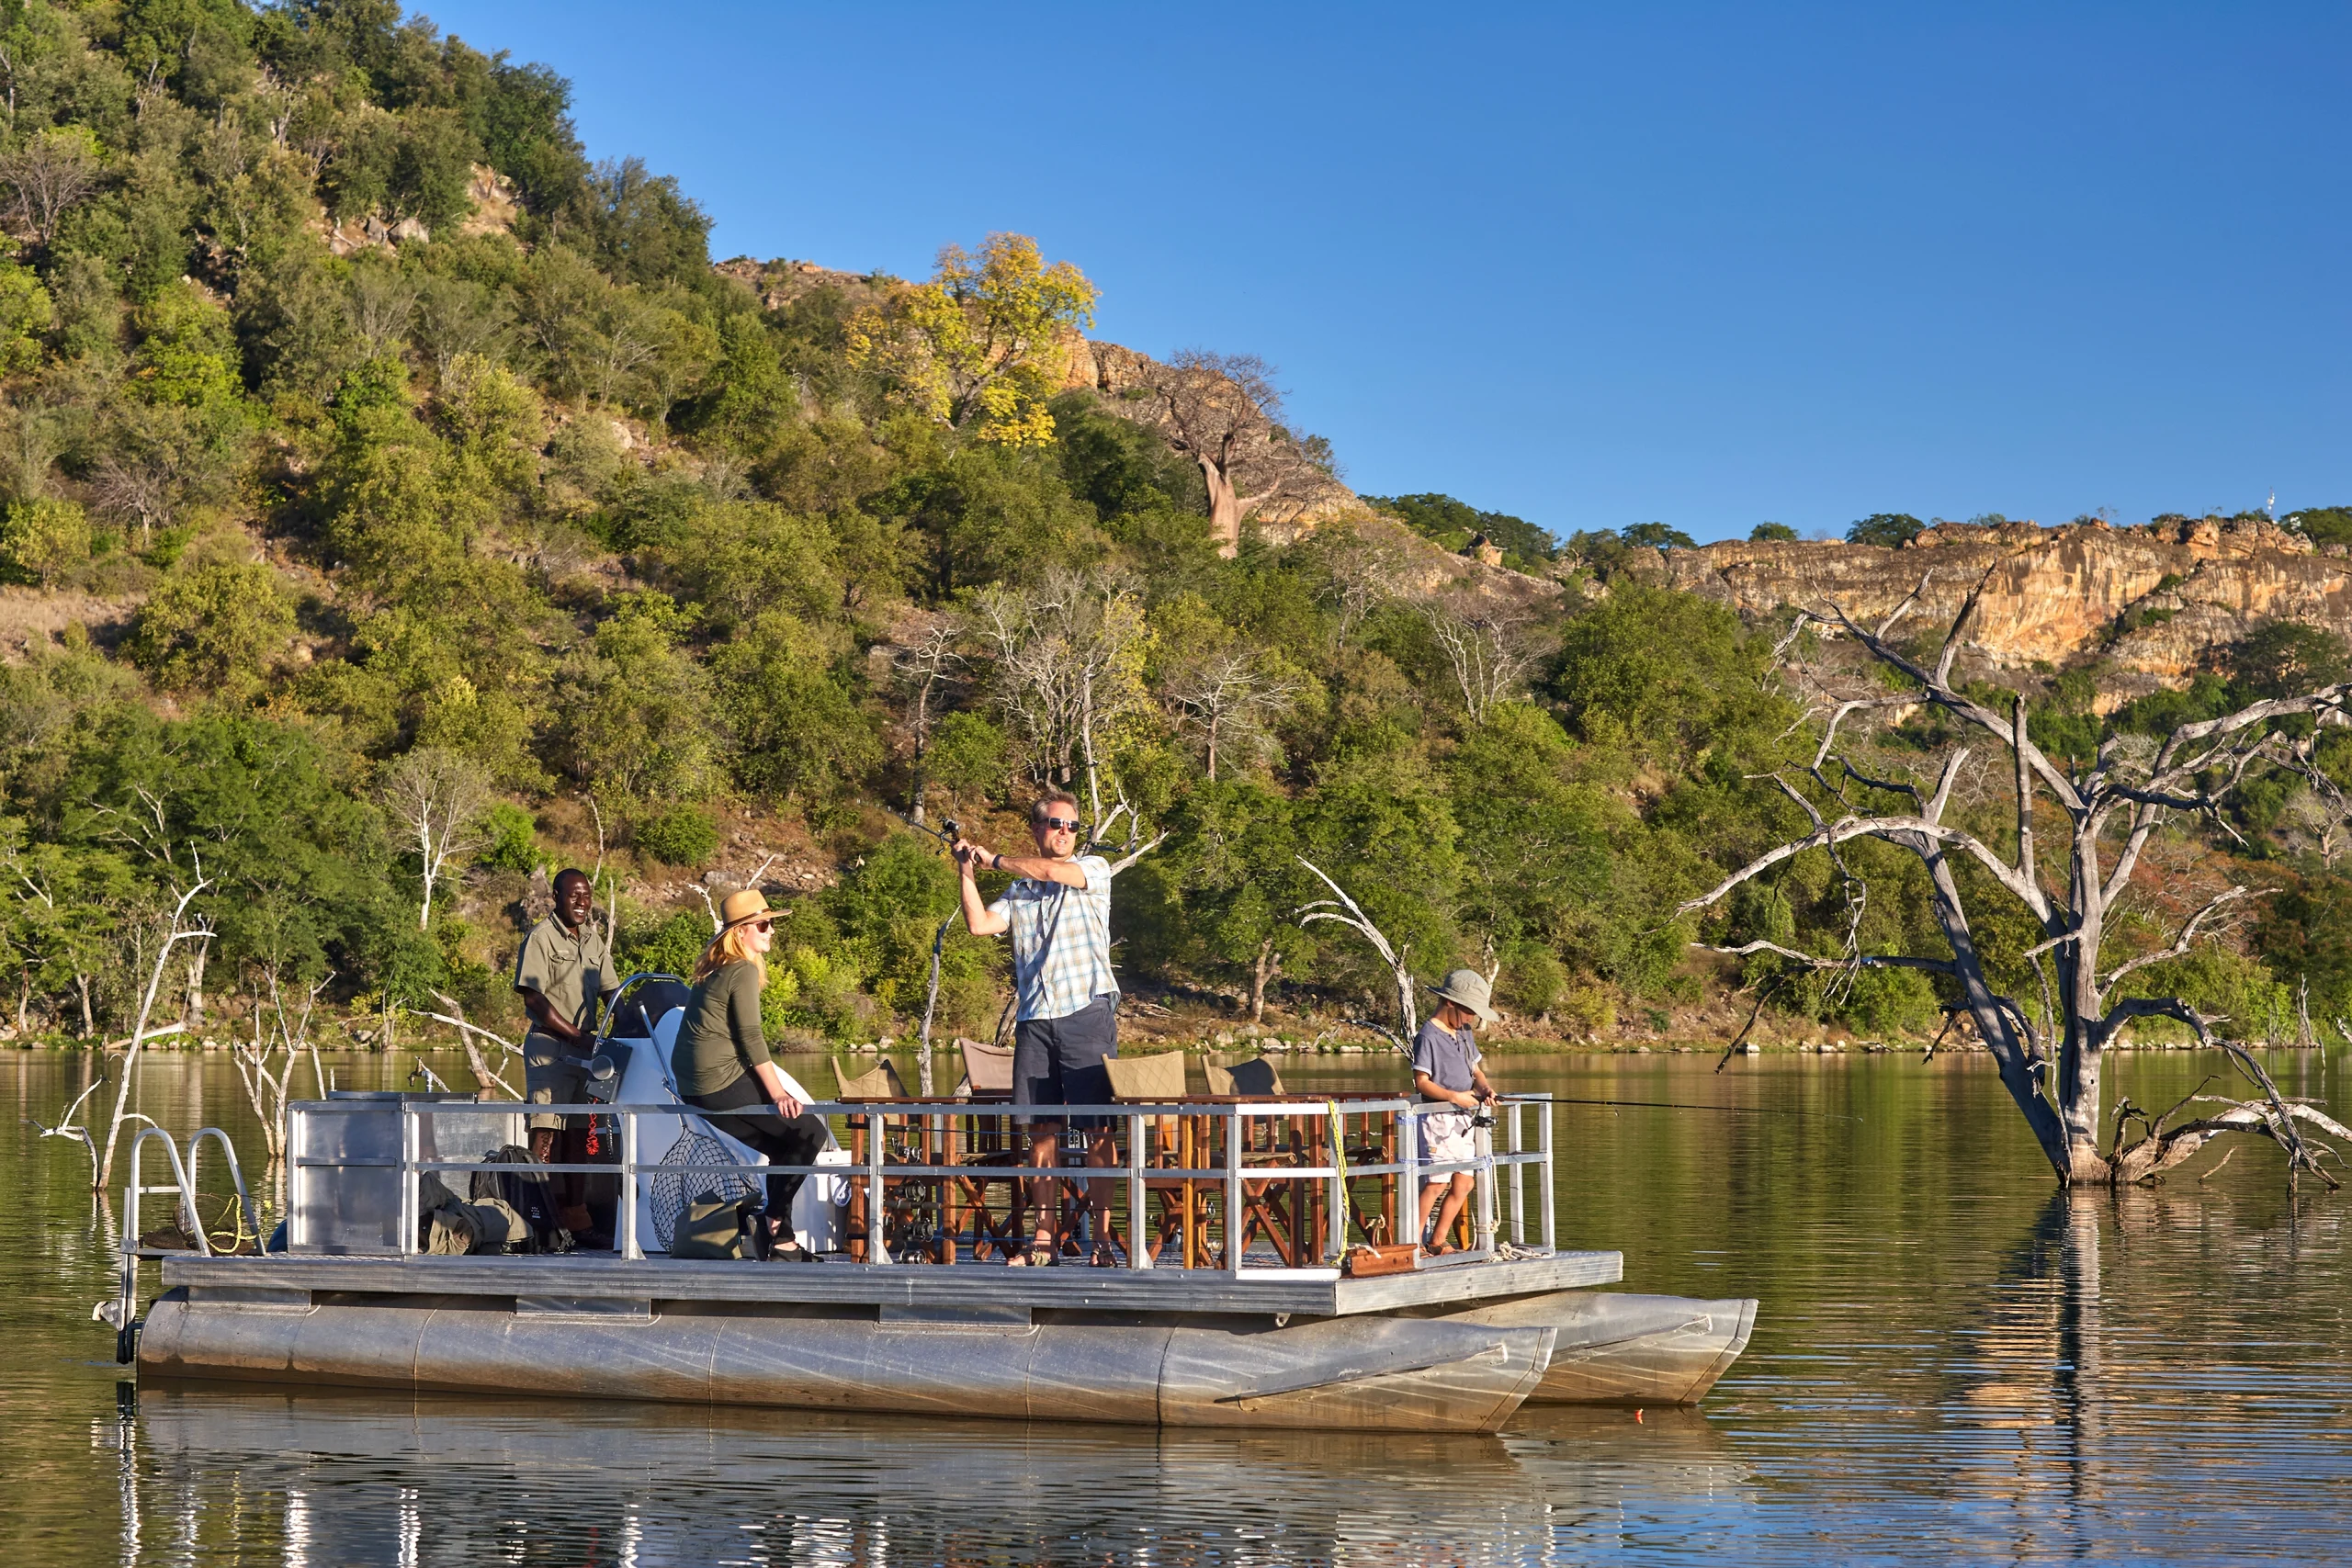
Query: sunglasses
(1065, 824)
(763, 925)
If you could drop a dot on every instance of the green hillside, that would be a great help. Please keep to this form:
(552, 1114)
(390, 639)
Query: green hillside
(365, 442)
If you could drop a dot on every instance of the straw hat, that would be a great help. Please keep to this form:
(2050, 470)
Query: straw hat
(744, 906)
(1467, 988)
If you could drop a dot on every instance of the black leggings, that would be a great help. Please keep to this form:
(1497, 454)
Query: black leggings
(785, 1142)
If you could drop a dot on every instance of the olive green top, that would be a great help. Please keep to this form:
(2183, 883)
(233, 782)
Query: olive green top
(569, 969)
(719, 1039)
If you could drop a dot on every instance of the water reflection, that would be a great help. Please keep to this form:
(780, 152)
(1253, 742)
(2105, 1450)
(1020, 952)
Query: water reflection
(456, 1480)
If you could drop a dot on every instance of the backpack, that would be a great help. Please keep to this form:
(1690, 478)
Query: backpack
(521, 1190)
(448, 1226)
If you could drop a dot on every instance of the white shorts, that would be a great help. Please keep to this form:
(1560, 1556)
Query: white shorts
(1446, 1136)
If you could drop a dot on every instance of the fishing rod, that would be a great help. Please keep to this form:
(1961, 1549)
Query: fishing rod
(1394, 1044)
(1690, 1105)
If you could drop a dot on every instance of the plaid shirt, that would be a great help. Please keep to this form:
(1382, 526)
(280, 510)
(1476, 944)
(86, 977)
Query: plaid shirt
(1061, 941)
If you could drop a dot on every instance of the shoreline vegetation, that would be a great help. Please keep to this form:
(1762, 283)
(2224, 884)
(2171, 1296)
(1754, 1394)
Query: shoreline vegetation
(398, 506)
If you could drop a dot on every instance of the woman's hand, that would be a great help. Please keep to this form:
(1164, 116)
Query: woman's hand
(771, 1079)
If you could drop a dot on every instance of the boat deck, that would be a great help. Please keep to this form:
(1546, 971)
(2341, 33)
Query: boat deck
(599, 1282)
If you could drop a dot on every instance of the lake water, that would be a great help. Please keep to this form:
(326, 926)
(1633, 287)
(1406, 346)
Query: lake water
(1949, 1361)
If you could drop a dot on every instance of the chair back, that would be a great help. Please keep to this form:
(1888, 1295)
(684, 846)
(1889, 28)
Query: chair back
(1251, 1075)
(882, 1083)
(988, 1070)
(1147, 1078)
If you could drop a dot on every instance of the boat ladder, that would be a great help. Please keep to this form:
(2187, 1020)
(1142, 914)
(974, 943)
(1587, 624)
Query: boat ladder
(122, 1311)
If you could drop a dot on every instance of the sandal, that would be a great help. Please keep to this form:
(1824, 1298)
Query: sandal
(1104, 1257)
(1041, 1255)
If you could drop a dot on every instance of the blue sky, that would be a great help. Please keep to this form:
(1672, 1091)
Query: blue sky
(1596, 265)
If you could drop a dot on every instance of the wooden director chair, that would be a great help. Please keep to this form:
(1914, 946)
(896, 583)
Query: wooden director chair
(881, 1084)
(989, 1143)
(1183, 1218)
(1285, 1211)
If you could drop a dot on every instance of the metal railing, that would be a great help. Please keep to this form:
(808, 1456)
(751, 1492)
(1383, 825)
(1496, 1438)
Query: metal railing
(1242, 1170)
(191, 1219)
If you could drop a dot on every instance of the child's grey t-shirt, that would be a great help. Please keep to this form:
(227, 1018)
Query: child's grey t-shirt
(1447, 1056)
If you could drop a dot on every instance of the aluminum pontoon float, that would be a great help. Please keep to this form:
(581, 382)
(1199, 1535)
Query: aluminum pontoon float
(1263, 1196)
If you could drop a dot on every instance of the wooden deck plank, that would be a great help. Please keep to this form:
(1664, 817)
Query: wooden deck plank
(1158, 1290)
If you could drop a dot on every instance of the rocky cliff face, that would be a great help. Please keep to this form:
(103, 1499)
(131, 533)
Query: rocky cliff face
(2151, 601)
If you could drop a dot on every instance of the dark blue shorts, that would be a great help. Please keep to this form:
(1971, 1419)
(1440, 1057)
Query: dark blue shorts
(1059, 1061)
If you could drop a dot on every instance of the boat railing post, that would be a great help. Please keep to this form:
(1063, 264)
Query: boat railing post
(1234, 1229)
(875, 1251)
(1482, 1147)
(126, 1312)
(1409, 1192)
(1544, 1175)
(1336, 1219)
(297, 1132)
(408, 1179)
(630, 1248)
(1137, 1257)
(1518, 1188)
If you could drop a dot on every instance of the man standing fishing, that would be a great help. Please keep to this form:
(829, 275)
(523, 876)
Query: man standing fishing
(1067, 1022)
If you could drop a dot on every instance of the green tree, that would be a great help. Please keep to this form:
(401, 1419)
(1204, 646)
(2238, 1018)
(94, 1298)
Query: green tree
(214, 630)
(796, 730)
(1889, 529)
(26, 317)
(45, 540)
(633, 708)
(1453, 524)
(980, 345)
(1657, 536)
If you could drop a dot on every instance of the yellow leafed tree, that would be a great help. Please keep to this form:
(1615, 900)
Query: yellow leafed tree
(981, 344)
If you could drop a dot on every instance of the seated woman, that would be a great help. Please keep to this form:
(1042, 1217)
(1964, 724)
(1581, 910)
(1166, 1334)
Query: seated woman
(722, 1063)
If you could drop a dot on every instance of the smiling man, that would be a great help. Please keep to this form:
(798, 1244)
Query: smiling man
(1067, 1023)
(565, 967)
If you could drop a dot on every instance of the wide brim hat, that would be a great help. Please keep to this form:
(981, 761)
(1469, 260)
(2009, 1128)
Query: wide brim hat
(1467, 988)
(741, 907)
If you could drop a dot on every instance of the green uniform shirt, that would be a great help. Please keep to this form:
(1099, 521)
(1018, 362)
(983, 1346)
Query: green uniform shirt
(719, 1039)
(571, 970)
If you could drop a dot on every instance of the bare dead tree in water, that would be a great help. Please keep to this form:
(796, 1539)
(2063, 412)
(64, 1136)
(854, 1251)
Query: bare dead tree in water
(1340, 909)
(267, 1064)
(2111, 807)
(485, 1075)
(183, 928)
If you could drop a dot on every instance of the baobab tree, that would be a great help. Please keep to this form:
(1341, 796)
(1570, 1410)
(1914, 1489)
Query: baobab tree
(2111, 807)
(1224, 412)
